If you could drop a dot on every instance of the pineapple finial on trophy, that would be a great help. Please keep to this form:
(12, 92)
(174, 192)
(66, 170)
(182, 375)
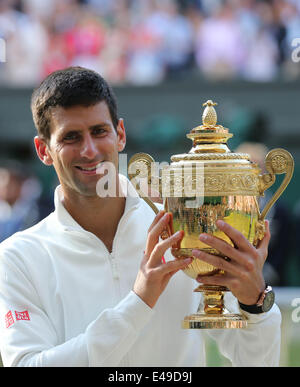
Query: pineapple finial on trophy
(209, 116)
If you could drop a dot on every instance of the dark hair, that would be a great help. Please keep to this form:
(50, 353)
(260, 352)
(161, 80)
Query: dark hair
(73, 86)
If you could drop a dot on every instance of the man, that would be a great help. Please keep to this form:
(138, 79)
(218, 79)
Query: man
(87, 286)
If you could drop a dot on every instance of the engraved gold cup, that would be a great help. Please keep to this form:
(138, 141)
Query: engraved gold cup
(207, 184)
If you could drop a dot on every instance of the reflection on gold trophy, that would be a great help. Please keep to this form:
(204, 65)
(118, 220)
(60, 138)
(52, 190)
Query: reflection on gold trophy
(206, 184)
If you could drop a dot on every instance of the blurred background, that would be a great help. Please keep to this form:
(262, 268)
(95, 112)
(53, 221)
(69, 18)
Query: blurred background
(164, 59)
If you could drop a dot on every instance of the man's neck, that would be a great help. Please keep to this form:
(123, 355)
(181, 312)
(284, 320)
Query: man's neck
(100, 216)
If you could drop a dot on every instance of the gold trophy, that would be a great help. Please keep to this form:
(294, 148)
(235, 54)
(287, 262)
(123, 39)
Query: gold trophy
(200, 187)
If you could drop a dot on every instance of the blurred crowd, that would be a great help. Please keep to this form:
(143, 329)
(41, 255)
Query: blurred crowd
(22, 203)
(143, 42)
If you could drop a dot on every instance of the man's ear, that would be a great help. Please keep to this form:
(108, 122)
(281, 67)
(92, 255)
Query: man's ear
(42, 150)
(121, 135)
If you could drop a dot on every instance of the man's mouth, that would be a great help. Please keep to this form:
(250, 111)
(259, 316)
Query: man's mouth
(89, 169)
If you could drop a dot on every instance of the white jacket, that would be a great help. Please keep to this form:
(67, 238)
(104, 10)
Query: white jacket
(66, 301)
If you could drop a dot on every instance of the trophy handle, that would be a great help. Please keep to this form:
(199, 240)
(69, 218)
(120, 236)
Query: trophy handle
(277, 161)
(140, 165)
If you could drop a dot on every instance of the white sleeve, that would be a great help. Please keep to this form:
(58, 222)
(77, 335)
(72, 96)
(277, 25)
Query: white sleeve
(34, 342)
(258, 345)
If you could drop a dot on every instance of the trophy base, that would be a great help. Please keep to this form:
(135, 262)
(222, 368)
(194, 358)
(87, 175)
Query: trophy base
(211, 313)
(214, 321)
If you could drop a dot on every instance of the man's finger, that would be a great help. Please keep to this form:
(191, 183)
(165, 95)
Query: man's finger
(222, 246)
(175, 265)
(155, 231)
(160, 248)
(156, 219)
(237, 238)
(217, 262)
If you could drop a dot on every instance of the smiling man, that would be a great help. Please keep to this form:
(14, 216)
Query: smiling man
(82, 139)
(87, 286)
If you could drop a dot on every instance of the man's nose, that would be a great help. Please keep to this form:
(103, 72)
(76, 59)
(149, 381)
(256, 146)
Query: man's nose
(89, 149)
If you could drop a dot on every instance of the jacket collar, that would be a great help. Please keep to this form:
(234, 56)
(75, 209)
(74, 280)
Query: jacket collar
(66, 220)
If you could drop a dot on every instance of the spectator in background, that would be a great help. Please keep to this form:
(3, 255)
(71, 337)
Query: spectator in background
(145, 60)
(175, 35)
(26, 42)
(61, 20)
(21, 202)
(262, 47)
(262, 57)
(220, 49)
(85, 42)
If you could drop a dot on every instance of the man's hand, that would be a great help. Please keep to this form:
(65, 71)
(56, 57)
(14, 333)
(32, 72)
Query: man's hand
(154, 275)
(243, 273)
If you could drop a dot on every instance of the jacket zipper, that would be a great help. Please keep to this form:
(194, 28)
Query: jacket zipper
(114, 265)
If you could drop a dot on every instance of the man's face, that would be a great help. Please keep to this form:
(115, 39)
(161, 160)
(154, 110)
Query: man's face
(82, 139)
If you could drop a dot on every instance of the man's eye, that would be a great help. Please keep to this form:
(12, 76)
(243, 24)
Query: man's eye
(71, 137)
(98, 131)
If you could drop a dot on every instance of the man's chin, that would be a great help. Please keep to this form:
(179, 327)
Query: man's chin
(95, 187)
(88, 190)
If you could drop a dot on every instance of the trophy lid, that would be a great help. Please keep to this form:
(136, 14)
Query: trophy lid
(209, 139)
(210, 168)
